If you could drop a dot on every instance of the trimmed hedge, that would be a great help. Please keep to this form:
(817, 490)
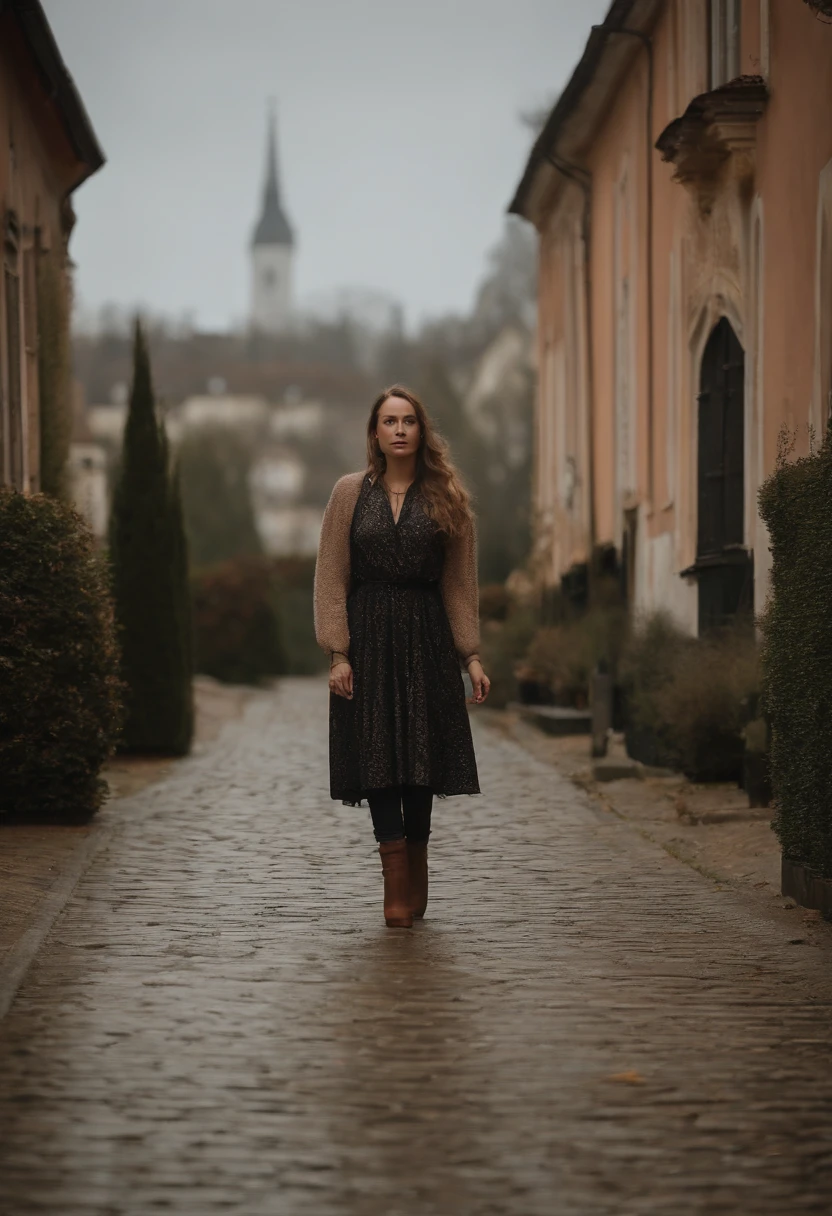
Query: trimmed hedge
(60, 695)
(253, 619)
(797, 652)
(295, 579)
(236, 623)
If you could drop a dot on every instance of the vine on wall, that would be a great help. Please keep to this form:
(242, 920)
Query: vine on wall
(54, 371)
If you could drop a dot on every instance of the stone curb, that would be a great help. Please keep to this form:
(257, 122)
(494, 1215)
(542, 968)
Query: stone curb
(20, 958)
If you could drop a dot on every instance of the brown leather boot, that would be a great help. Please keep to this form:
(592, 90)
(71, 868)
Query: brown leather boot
(397, 913)
(417, 860)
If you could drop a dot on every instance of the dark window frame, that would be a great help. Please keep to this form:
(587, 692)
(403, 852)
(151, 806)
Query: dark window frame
(724, 567)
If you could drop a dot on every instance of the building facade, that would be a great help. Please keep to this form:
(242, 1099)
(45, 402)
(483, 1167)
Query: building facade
(682, 192)
(47, 149)
(272, 253)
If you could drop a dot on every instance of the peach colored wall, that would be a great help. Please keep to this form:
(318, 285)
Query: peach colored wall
(37, 167)
(795, 144)
(561, 402)
(705, 265)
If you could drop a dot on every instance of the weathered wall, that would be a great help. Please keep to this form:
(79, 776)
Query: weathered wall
(37, 168)
(755, 245)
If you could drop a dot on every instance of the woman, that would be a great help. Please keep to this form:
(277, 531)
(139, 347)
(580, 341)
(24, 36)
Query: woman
(396, 608)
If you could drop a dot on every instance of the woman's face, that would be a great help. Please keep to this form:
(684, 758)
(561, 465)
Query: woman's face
(397, 428)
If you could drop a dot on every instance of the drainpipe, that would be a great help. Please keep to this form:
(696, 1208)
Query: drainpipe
(647, 43)
(583, 179)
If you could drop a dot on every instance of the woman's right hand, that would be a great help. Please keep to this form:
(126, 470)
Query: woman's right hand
(340, 680)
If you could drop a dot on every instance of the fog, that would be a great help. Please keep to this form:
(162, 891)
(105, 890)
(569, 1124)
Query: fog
(399, 132)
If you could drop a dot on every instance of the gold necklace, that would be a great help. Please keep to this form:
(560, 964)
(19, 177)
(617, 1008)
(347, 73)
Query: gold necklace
(398, 493)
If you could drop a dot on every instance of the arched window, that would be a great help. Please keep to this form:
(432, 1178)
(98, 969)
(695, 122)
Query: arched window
(723, 565)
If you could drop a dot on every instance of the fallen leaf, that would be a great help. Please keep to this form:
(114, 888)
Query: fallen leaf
(630, 1077)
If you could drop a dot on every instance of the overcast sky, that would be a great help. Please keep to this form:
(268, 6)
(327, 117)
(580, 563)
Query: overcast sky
(399, 140)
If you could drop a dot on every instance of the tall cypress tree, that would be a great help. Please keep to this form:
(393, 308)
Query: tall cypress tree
(219, 516)
(150, 579)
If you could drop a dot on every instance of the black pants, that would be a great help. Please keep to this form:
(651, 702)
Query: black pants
(401, 811)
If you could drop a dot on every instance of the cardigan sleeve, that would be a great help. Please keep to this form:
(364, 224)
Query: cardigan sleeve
(460, 592)
(332, 569)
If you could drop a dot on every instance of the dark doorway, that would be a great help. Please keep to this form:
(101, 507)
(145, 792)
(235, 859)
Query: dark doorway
(628, 557)
(723, 565)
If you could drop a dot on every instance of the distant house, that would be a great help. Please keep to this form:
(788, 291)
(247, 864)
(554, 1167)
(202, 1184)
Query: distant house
(89, 485)
(47, 149)
(290, 531)
(298, 420)
(288, 523)
(682, 190)
(287, 526)
(496, 399)
(248, 414)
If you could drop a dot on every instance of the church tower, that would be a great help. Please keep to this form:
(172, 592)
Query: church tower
(272, 252)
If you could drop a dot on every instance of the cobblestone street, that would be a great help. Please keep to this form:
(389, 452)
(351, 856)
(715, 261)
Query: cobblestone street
(220, 1020)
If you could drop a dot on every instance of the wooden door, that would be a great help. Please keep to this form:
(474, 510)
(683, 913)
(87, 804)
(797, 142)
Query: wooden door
(723, 564)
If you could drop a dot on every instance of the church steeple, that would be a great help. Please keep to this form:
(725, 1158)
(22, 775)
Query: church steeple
(273, 227)
(272, 253)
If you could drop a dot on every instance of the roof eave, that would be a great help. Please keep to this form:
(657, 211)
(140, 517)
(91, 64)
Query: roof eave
(584, 101)
(59, 84)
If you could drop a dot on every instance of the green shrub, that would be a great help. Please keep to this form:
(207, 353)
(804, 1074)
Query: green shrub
(60, 708)
(150, 580)
(236, 623)
(494, 602)
(650, 657)
(688, 698)
(563, 657)
(294, 582)
(502, 647)
(558, 659)
(797, 652)
(705, 704)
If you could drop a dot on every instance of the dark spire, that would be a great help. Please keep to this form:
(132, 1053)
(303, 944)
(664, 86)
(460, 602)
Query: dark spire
(273, 226)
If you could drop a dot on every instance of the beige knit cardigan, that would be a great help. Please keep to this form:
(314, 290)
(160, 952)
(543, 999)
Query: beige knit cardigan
(332, 577)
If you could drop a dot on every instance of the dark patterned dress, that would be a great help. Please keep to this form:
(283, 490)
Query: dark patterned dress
(407, 723)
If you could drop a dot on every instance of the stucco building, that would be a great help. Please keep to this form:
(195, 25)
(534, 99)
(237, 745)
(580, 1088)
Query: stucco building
(47, 149)
(682, 191)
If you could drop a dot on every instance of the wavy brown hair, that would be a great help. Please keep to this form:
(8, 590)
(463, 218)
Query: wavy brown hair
(441, 485)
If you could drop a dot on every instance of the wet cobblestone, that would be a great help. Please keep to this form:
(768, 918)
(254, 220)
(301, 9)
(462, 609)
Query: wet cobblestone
(220, 1020)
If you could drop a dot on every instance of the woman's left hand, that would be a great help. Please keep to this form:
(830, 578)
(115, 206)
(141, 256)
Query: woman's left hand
(479, 681)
